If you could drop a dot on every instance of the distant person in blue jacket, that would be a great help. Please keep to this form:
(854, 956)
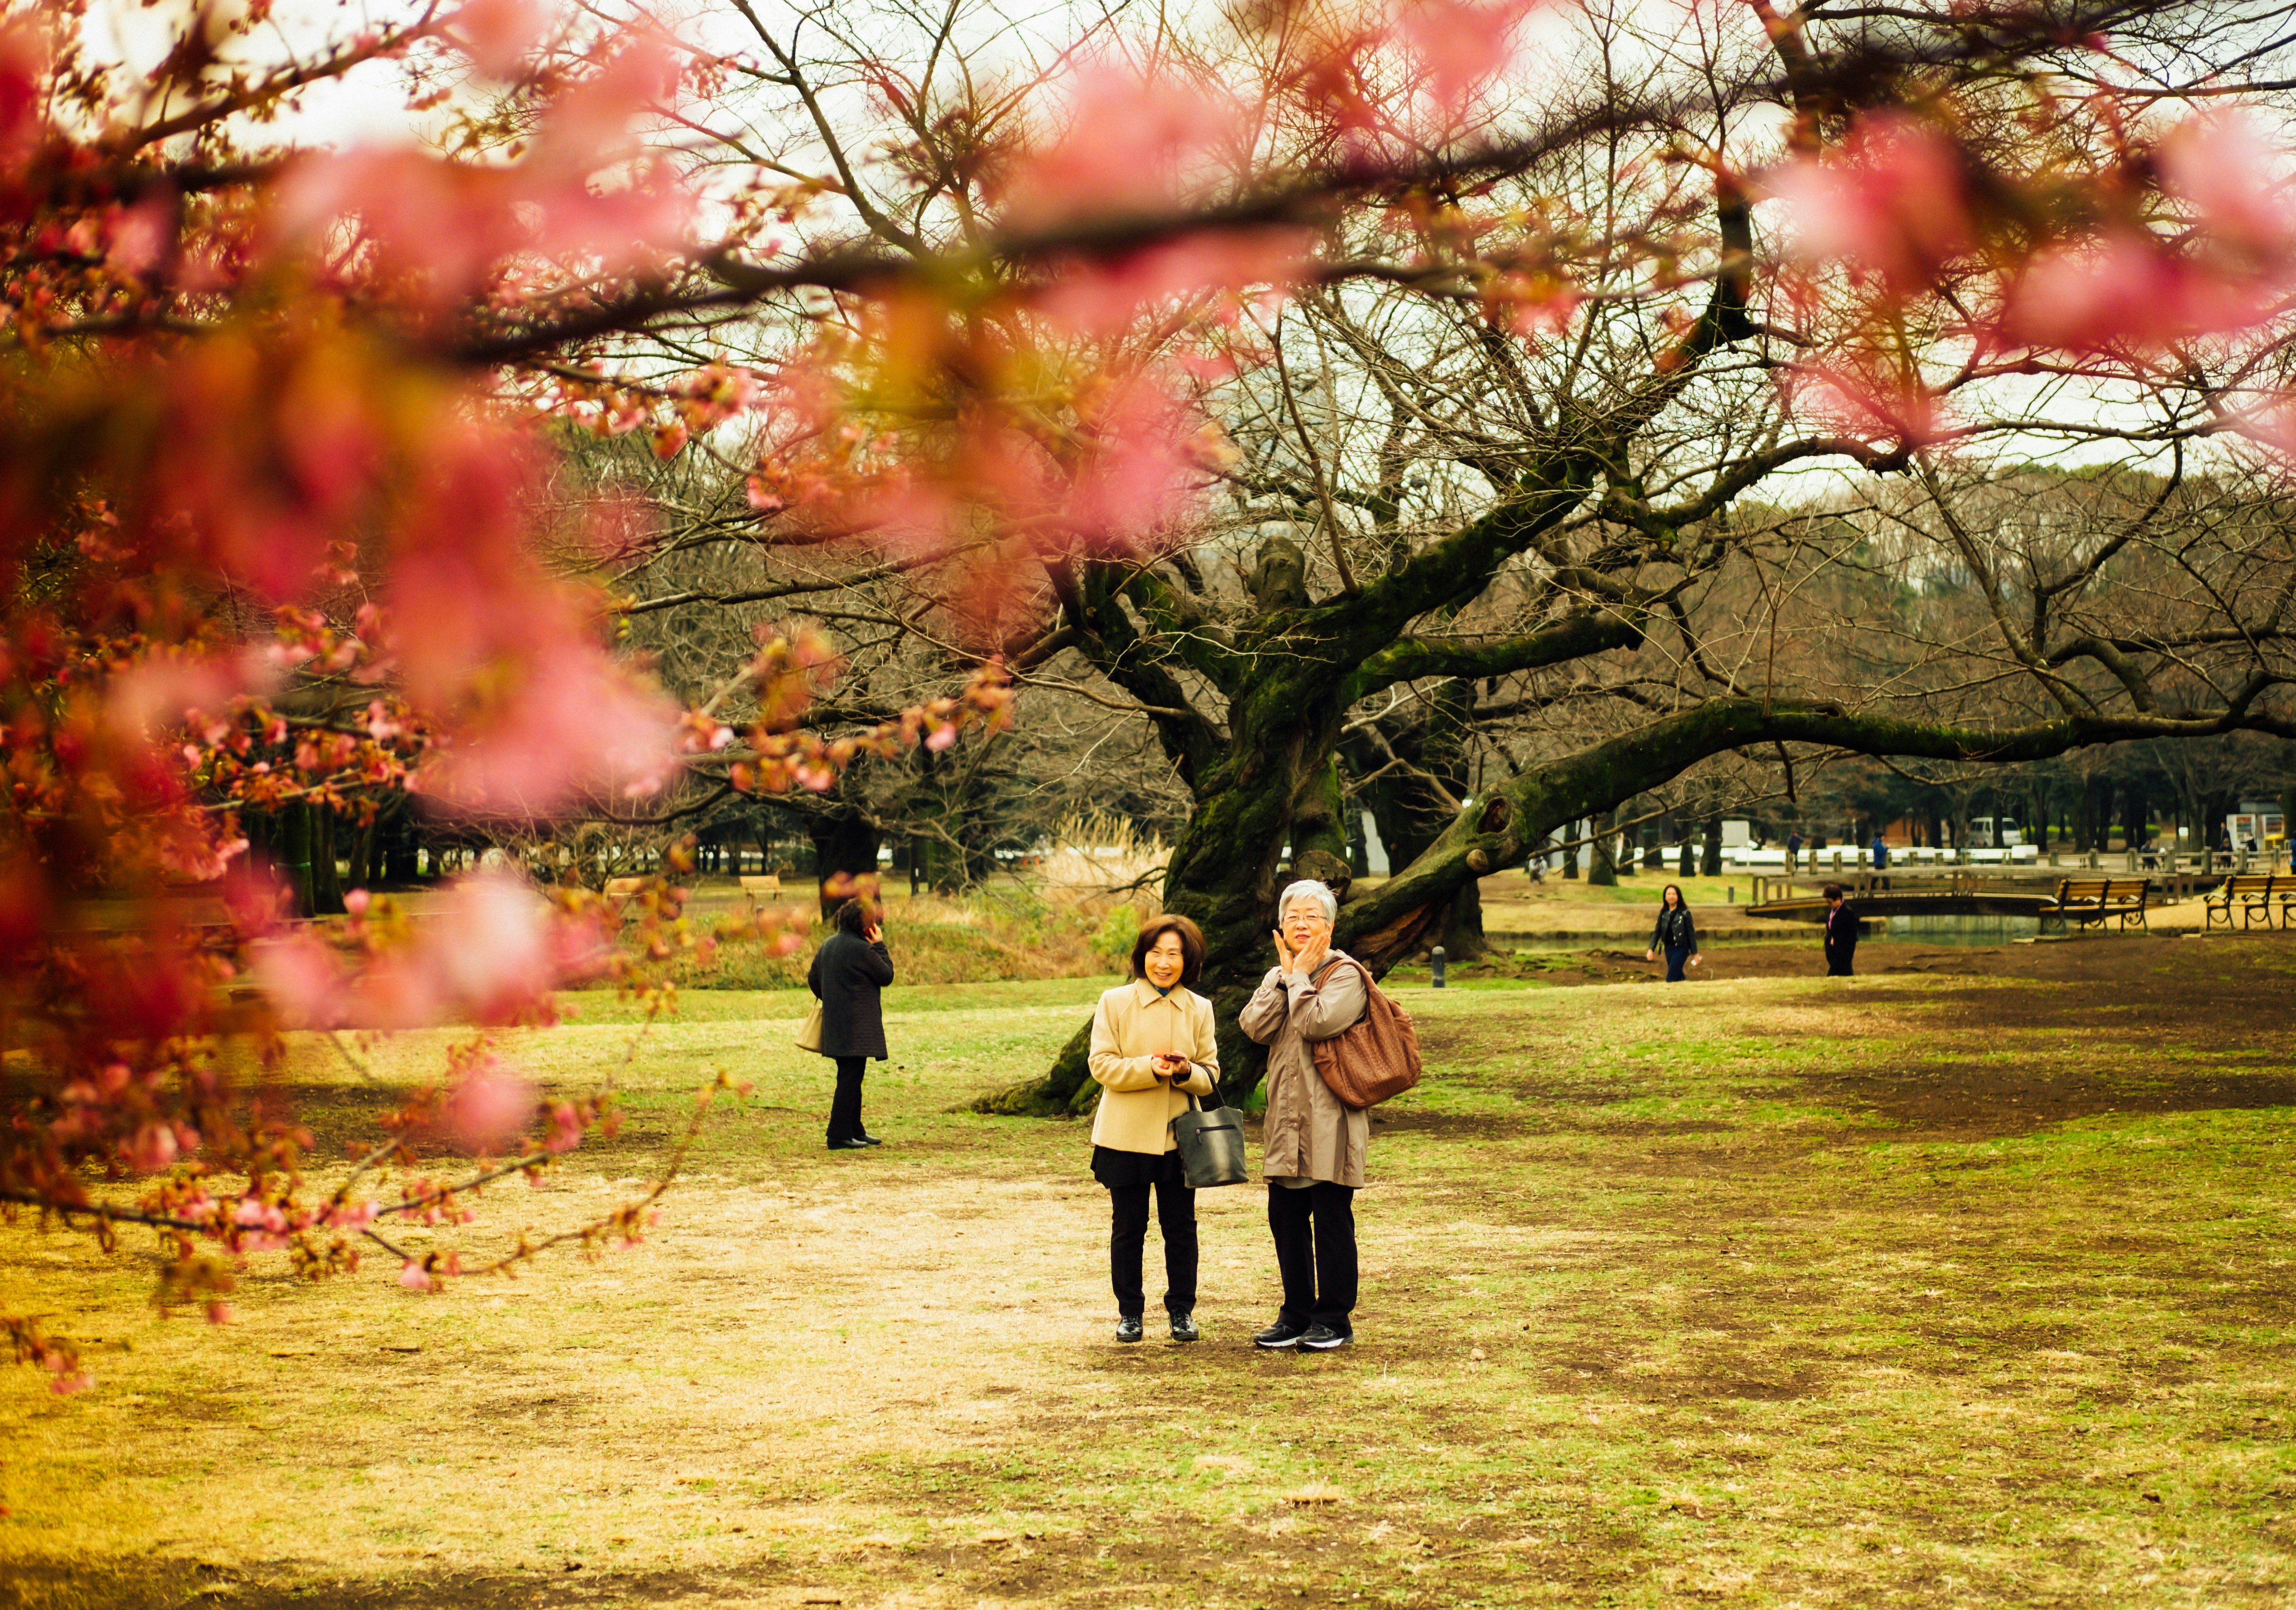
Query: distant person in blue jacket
(1881, 854)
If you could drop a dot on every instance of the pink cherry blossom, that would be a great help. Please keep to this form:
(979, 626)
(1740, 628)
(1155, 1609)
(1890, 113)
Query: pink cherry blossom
(141, 236)
(489, 1105)
(1145, 470)
(23, 68)
(574, 719)
(2235, 181)
(565, 1128)
(1861, 404)
(490, 951)
(498, 34)
(2125, 290)
(350, 1216)
(414, 1276)
(1462, 45)
(164, 689)
(441, 228)
(1134, 143)
(304, 979)
(1891, 202)
(152, 1148)
(1100, 298)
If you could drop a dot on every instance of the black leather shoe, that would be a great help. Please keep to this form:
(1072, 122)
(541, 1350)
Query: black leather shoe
(850, 1146)
(869, 1140)
(1127, 1328)
(1184, 1328)
(1282, 1334)
(1322, 1338)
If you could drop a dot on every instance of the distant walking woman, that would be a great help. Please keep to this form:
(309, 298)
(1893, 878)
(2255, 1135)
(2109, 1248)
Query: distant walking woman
(848, 970)
(1152, 1045)
(1675, 934)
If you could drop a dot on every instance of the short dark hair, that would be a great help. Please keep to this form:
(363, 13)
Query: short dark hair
(1192, 946)
(852, 917)
(1832, 891)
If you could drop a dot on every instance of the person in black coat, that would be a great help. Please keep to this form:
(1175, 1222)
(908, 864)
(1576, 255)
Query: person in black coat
(1840, 933)
(1675, 934)
(848, 972)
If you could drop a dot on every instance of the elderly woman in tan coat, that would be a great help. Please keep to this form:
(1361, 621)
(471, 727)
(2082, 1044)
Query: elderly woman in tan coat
(1312, 1145)
(1152, 1047)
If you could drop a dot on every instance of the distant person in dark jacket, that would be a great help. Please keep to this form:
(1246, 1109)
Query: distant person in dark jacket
(1675, 935)
(1793, 848)
(1881, 853)
(848, 972)
(1840, 933)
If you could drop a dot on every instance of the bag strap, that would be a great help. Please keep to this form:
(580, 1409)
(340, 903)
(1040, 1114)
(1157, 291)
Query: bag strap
(1176, 1117)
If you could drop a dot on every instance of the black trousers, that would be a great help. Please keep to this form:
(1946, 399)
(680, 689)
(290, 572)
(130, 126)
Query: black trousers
(1314, 1232)
(845, 1106)
(1676, 956)
(1127, 1237)
(1840, 959)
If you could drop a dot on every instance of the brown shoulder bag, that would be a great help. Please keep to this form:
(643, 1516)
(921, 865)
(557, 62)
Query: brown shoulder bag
(1373, 1058)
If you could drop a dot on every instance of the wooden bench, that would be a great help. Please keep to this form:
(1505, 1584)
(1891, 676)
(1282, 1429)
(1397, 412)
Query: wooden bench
(2087, 900)
(2250, 892)
(755, 887)
(622, 889)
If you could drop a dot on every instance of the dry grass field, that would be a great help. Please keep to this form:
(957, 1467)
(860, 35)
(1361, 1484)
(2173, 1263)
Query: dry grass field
(1963, 1285)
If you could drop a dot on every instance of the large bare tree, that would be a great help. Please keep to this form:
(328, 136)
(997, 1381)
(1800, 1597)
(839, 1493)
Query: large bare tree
(1559, 452)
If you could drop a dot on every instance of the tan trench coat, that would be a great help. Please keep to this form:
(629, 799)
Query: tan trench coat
(1130, 1024)
(1310, 1133)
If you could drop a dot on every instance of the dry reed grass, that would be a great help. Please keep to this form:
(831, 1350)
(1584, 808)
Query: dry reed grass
(1099, 853)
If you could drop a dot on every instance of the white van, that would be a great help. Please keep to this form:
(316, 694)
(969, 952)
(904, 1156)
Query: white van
(1994, 833)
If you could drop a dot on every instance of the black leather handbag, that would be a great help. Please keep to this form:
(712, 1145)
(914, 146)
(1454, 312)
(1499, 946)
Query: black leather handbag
(1211, 1145)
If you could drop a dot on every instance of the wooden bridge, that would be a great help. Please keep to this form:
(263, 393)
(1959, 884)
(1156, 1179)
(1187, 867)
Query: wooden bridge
(1915, 903)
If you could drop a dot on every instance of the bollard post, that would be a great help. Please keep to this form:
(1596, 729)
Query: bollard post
(1730, 895)
(1435, 956)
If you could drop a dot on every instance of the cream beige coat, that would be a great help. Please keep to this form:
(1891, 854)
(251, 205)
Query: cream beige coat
(1131, 1023)
(1310, 1133)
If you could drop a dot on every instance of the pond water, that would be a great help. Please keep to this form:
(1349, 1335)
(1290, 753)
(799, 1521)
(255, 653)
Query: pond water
(1973, 931)
(1969, 930)
(1942, 930)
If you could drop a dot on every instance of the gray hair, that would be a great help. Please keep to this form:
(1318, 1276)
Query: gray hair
(1307, 888)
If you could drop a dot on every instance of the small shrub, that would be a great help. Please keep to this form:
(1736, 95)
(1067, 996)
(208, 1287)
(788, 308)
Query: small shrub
(1113, 943)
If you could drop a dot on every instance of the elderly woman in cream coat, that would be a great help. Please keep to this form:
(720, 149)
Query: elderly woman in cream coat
(1152, 1047)
(1312, 1145)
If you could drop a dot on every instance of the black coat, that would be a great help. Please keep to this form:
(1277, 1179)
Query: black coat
(847, 971)
(1840, 936)
(1673, 927)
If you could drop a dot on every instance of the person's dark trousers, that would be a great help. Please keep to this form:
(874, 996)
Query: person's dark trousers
(1127, 1235)
(845, 1106)
(1676, 956)
(1314, 1232)
(1838, 960)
